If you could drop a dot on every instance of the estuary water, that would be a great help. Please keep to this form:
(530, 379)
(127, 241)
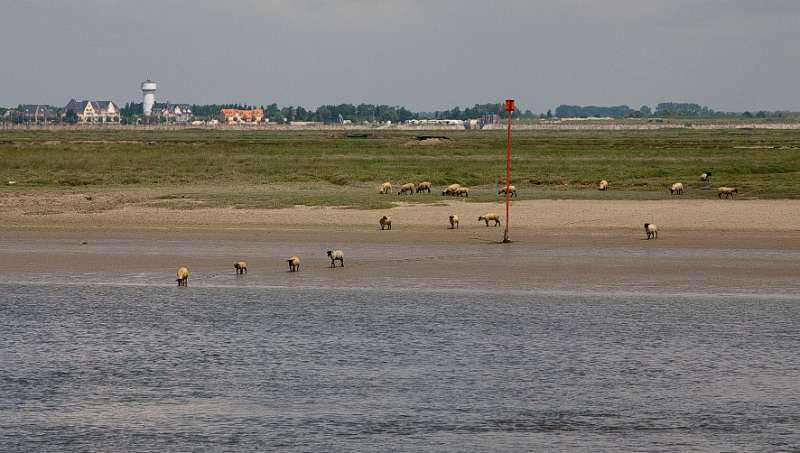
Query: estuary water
(142, 367)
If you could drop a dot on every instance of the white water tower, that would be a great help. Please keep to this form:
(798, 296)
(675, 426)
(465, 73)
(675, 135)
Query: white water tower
(148, 96)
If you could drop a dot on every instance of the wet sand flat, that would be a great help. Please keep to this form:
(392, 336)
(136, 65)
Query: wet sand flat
(749, 247)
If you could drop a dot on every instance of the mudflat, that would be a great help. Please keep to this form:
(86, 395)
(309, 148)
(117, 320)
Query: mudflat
(720, 246)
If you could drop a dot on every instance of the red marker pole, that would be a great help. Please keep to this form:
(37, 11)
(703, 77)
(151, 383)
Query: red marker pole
(510, 109)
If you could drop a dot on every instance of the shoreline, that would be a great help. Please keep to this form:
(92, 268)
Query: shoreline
(729, 216)
(756, 252)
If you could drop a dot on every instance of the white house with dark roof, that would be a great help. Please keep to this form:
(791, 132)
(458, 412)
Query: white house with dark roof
(173, 113)
(93, 111)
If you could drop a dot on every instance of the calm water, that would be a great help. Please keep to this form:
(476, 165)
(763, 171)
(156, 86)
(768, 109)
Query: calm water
(157, 368)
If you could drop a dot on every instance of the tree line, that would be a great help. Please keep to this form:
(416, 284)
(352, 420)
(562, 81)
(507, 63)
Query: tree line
(131, 112)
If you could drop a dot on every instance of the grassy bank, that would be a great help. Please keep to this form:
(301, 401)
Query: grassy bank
(271, 169)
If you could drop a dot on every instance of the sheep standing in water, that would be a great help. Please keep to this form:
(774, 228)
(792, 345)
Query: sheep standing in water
(652, 230)
(676, 189)
(453, 221)
(406, 188)
(294, 264)
(240, 267)
(705, 176)
(512, 191)
(424, 185)
(336, 255)
(385, 188)
(728, 192)
(386, 222)
(603, 186)
(490, 216)
(183, 276)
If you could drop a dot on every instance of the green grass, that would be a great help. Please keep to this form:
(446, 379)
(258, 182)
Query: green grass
(326, 168)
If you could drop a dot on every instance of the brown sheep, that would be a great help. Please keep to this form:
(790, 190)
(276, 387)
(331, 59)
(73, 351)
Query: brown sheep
(240, 267)
(294, 264)
(652, 230)
(453, 221)
(728, 192)
(183, 276)
(336, 255)
(451, 190)
(406, 188)
(424, 185)
(386, 222)
(385, 188)
(490, 216)
(512, 191)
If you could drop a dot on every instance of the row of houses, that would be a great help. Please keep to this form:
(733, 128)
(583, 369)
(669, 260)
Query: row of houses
(102, 112)
(74, 111)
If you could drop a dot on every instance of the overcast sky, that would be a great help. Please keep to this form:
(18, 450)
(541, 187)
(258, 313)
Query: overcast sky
(426, 55)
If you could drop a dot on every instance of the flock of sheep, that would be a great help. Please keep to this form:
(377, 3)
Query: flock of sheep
(456, 190)
(240, 267)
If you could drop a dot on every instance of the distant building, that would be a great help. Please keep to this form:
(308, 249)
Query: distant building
(241, 116)
(148, 96)
(173, 113)
(93, 111)
(35, 113)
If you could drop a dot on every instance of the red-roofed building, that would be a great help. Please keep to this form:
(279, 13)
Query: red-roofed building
(241, 116)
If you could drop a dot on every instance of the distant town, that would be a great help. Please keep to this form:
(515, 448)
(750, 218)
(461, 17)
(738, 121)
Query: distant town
(151, 112)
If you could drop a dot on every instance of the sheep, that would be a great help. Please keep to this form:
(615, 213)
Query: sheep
(336, 255)
(240, 267)
(453, 221)
(706, 176)
(603, 185)
(183, 276)
(424, 185)
(512, 191)
(676, 189)
(385, 221)
(462, 191)
(385, 188)
(294, 264)
(490, 216)
(451, 189)
(406, 188)
(728, 192)
(652, 230)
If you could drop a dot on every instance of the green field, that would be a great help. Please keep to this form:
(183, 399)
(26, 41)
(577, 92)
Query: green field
(274, 169)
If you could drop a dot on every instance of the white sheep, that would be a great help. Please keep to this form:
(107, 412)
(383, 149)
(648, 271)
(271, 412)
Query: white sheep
(676, 189)
(603, 185)
(183, 276)
(385, 188)
(706, 176)
(652, 230)
(424, 185)
(451, 189)
(240, 267)
(294, 264)
(512, 191)
(406, 188)
(728, 192)
(336, 255)
(490, 216)
(453, 221)
(386, 222)
(462, 191)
